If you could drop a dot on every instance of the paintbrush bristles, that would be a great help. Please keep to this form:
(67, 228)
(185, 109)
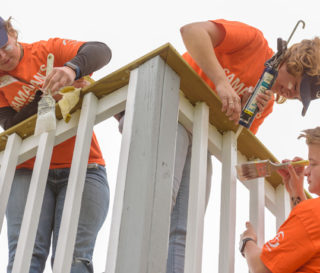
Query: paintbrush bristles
(263, 168)
(253, 170)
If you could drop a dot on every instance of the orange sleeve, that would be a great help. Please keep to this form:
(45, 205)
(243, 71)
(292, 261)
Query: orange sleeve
(290, 249)
(242, 55)
(63, 49)
(239, 36)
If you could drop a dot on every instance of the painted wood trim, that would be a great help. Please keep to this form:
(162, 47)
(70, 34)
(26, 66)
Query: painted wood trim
(72, 203)
(256, 207)
(33, 206)
(228, 203)
(7, 172)
(282, 204)
(197, 190)
(134, 229)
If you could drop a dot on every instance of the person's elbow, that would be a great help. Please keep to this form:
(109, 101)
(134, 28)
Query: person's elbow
(107, 54)
(188, 30)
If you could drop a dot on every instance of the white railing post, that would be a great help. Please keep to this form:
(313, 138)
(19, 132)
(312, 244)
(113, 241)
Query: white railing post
(282, 204)
(257, 205)
(197, 189)
(8, 166)
(228, 203)
(72, 203)
(141, 213)
(33, 206)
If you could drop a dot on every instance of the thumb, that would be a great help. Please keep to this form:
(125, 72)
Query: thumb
(246, 95)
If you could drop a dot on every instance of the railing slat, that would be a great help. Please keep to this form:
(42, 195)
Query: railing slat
(282, 204)
(72, 204)
(33, 206)
(186, 111)
(197, 190)
(7, 171)
(228, 203)
(257, 205)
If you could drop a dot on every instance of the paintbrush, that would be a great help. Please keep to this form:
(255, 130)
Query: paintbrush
(46, 119)
(263, 168)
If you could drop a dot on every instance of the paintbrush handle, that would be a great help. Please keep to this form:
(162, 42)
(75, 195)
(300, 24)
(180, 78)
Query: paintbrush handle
(292, 163)
(300, 163)
(50, 60)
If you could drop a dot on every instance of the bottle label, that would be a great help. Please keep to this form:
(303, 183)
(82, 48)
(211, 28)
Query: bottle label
(263, 85)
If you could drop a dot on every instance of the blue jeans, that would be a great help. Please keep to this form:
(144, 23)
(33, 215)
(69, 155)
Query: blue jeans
(180, 196)
(94, 208)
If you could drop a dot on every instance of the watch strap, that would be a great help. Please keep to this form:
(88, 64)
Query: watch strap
(243, 244)
(75, 68)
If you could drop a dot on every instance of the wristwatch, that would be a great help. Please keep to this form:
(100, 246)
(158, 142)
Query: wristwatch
(75, 68)
(243, 244)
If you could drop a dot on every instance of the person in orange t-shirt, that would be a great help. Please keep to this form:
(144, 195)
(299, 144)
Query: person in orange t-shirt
(230, 56)
(22, 77)
(296, 247)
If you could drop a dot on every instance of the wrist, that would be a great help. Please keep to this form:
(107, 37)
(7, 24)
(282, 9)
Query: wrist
(75, 68)
(243, 244)
(296, 199)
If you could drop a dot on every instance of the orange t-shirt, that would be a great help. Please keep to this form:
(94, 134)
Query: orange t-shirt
(18, 88)
(242, 55)
(296, 247)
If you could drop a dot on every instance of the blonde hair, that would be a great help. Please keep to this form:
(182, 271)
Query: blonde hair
(312, 135)
(9, 28)
(300, 58)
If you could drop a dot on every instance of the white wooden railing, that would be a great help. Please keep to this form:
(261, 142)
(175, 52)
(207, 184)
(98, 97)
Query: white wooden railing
(156, 91)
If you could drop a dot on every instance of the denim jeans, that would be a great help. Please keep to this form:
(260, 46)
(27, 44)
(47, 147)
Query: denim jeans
(180, 196)
(94, 208)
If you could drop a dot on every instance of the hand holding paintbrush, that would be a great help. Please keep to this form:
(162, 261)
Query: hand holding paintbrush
(263, 168)
(293, 179)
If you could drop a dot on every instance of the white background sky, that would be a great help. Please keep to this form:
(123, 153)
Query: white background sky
(134, 28)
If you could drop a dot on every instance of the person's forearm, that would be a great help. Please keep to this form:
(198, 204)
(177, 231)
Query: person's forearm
(200, 46)
(91, 57)
(297, 197)
(252, 254)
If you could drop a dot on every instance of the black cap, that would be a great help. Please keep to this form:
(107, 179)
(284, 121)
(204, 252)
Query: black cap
(3, 33)
(309, 90)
